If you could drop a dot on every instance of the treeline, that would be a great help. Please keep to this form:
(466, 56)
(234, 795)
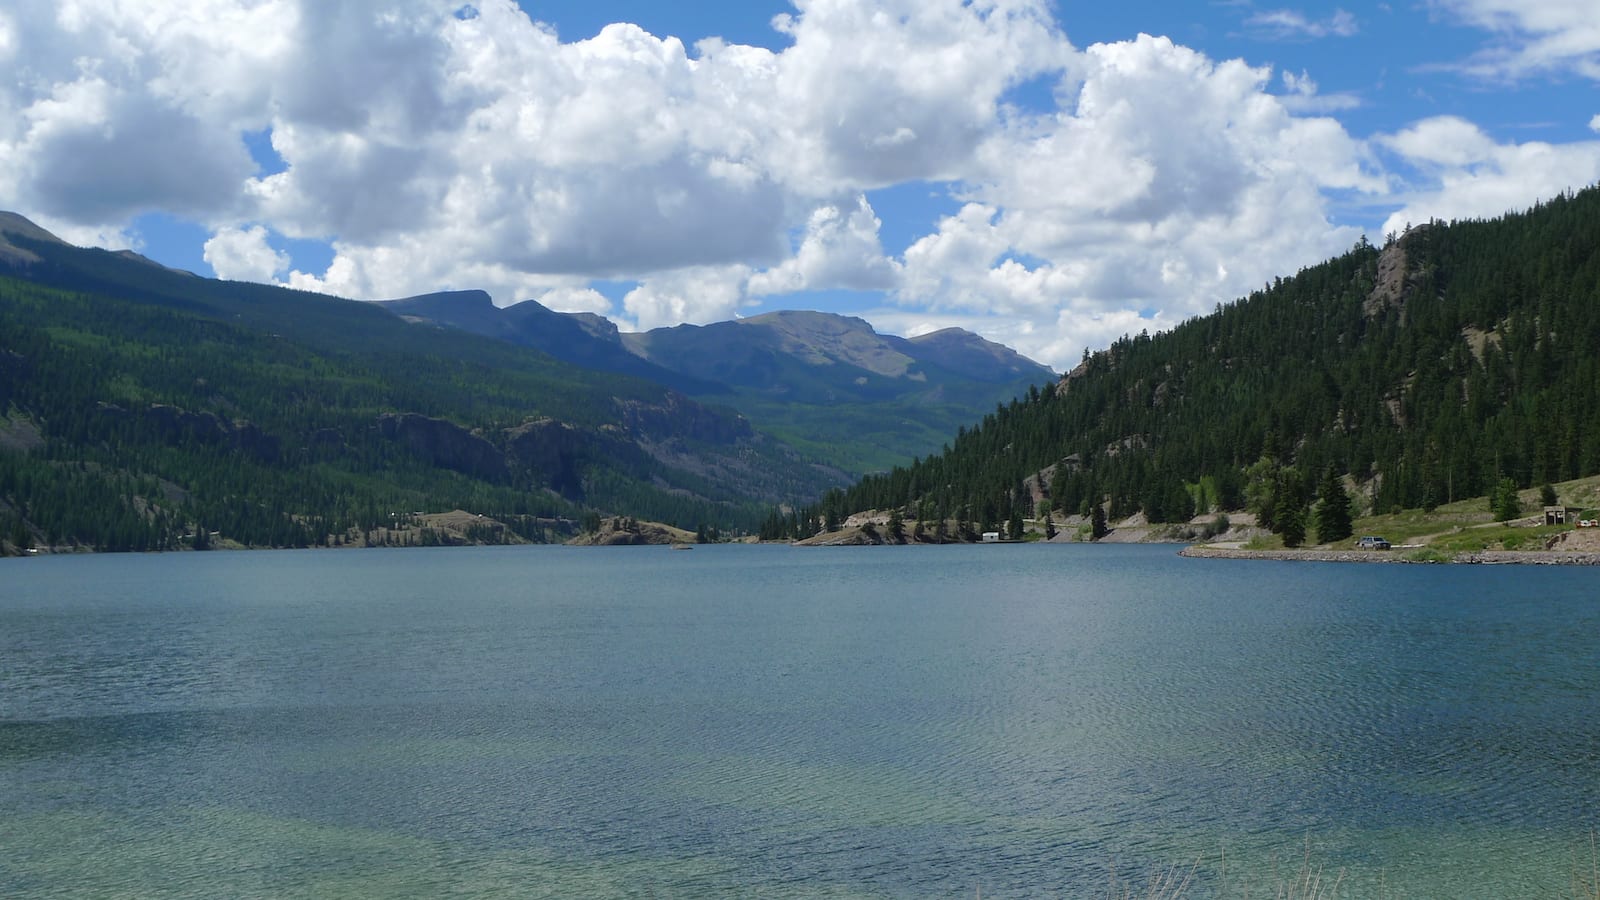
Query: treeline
(1459, 355)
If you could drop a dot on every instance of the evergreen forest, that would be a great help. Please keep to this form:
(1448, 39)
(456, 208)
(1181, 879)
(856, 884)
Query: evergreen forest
(1458, 359)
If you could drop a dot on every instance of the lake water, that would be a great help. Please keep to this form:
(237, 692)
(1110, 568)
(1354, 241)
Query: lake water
(772, 721)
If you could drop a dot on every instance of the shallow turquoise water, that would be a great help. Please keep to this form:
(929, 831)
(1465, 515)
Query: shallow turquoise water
(776, 721)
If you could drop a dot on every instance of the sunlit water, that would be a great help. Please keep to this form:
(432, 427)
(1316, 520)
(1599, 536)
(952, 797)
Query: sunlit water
(1015, 720)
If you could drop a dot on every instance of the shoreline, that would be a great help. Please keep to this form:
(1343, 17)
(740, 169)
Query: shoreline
(1405, 556)
(1480, 558)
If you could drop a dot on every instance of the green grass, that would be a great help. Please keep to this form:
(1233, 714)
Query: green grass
(1467, 526)
(1407, 526)
(1496, 537)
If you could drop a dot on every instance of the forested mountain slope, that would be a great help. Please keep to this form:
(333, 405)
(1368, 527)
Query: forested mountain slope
(139, 404)
(1458, 355)
(834, 386)
(859, 400)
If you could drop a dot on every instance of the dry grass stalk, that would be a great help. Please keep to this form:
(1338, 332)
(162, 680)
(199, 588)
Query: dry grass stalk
(1171, 884)
(1587, 888)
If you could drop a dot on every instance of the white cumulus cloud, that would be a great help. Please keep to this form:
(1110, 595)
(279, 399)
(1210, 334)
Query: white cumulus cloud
(841, 249)
(1470, 175)
(245, 255)
(696, 295)
(1088, 218)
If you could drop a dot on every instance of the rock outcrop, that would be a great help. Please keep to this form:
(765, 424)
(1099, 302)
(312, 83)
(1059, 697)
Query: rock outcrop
(444, 443)
(176, 424)
(1394, 278)
(555, 453)
(676, 416)
(619, 531)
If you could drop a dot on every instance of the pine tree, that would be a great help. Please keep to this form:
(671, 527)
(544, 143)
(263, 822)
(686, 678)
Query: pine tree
(1292, 525)
(20, 536)
(1504, 502)
(1333, 510)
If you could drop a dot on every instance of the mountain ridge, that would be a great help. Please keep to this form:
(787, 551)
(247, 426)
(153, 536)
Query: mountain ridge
(857, 399)
(821, 338)
(139, 404)
(848, 418)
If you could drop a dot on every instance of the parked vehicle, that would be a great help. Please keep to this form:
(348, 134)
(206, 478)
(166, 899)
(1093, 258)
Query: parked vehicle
(1372, 542)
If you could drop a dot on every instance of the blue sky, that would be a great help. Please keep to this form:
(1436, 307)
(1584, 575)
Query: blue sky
(1037, 172)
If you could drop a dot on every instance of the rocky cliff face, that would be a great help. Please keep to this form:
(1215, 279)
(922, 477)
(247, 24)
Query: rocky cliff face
(657, 442)
(1394, 278)
(445, 444)
(555, 453)
(676, 416)
(175, 425)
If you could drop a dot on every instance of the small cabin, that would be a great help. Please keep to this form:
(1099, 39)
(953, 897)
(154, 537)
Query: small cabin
(1558, 515)
(991, 537)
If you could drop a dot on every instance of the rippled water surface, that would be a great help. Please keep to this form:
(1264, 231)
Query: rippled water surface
(773, 721)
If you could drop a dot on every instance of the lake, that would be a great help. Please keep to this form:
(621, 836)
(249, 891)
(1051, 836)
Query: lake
(741, 721)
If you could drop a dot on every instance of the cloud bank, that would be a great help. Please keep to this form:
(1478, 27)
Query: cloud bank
(442, 146)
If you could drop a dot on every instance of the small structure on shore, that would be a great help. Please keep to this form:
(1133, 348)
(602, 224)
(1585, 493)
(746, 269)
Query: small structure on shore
(1557, 515)
(991, 537)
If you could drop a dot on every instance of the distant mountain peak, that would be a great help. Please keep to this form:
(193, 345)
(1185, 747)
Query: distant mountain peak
(809, 318)
(976, 356)
(140, 258)
(825, 339)
(453, 299)
(21, 226)
(596, 326)
(468, 310)
(13, 224)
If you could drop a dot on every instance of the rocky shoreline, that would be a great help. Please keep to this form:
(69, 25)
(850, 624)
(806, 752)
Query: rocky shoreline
(1485, 557)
